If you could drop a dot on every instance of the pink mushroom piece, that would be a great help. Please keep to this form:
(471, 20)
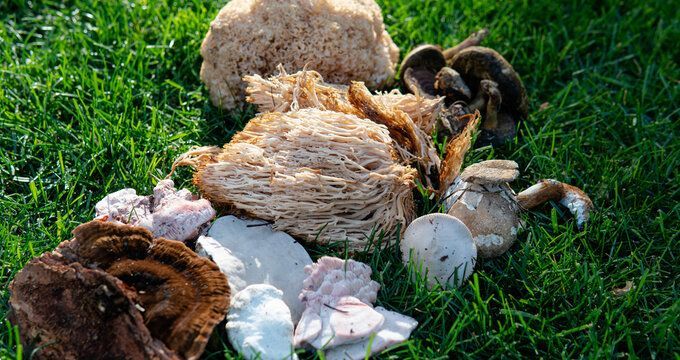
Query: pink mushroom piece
(339, 316)
(169, 213)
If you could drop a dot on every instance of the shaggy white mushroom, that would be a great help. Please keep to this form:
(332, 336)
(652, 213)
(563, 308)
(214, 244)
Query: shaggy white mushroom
(443, 246)
(259, 324)
(250, 252)
(169, 213)
(482, 199)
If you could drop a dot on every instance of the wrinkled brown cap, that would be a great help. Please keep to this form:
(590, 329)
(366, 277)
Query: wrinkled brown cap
(183, 296)
(478, 63)
(67, 311)
(491, 172)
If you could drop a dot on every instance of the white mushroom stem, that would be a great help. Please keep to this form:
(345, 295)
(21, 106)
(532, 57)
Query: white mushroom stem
(577, 201)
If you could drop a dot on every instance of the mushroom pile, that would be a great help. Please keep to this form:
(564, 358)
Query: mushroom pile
(321, 163)
(470, 78)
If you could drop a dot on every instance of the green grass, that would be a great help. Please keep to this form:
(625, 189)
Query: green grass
(94, 98)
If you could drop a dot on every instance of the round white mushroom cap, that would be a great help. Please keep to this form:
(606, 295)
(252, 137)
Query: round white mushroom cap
(444, 247)
(259, 324)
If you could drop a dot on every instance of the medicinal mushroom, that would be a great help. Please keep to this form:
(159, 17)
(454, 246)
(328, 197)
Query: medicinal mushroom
(321, 175)
(343, 40)
(168, 213)
(68, 311)
(181, 296)
(504, 90)
(396, 112)
(482, 199)
(259, 325)
(250, 252)
(306, 89)
(442, 245)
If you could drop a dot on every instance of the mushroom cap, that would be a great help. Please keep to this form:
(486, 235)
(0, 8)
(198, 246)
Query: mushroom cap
(68, 311)
(444, 246)
(490, 212)
(183, 295)
(424, 61)
(251, 252)
(491, 172)
(259, 325)
(478, 63)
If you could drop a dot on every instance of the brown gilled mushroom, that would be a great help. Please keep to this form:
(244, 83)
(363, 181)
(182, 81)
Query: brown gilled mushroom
(476, 64)
(181, 296)
(418, 70)
(67, 311)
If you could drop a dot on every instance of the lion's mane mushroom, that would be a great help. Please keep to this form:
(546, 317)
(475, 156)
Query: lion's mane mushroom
(68, 311)
(408, 119)
(443, 246)
(503, 88)
(181, 296)
(340, 317)
(342, 39)
(168, 213)
(249, 252)
(259, 325)
(321, 175)
(482, 199)
(306, 89)
(571, 197)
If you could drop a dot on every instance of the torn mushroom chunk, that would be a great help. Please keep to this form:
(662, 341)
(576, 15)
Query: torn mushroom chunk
(182, 296)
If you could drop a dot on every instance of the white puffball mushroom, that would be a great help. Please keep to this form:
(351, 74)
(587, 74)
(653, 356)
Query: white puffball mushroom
(482, 199)
(443, 245)
(259, 324)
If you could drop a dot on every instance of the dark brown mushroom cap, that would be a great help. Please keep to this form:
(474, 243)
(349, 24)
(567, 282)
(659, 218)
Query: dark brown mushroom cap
(419, 68)
(67, 311)
(183, 295)
(478, 63)
(491, 172)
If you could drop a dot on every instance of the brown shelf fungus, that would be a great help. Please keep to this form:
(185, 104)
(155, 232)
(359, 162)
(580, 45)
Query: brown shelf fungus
(181, 296)
(67, 311)
(482, 199)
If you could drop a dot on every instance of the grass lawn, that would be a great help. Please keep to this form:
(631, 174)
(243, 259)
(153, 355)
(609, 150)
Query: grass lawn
(94, 98)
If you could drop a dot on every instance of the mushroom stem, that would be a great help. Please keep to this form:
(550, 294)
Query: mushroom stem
(493, 104)
(577, 201)
(473, 40)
